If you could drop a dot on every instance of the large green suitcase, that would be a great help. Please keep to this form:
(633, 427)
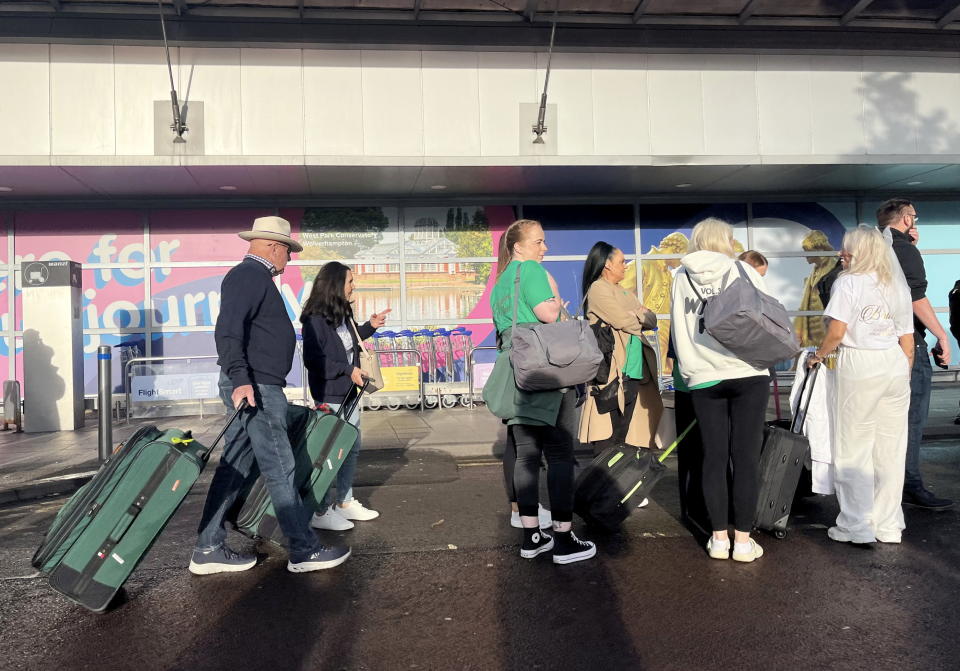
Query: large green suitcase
(106, 528)
(321, 442)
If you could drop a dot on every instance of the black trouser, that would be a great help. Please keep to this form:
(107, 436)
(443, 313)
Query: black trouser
(731, 416)
(621, 420)
(555, 443)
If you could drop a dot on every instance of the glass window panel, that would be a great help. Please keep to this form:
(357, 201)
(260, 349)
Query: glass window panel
(201, 235)
(186, 296)
(571, 230)
(332, 233)
(125, 347)
(455, 231)
(796, 227)
(79, 235)
(447, 291)
(943, 270)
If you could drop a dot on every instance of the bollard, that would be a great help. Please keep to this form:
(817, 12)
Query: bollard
(105, 401)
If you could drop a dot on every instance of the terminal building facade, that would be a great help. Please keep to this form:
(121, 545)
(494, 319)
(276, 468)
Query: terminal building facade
(397, 137)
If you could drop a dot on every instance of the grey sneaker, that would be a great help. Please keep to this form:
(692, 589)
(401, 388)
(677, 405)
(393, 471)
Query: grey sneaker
(321, 559)
(220, 560)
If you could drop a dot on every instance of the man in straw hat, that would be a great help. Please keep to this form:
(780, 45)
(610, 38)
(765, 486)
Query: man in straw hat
(255, 344)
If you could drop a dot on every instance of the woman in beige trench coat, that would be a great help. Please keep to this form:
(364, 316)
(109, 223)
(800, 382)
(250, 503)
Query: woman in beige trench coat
(634, 420)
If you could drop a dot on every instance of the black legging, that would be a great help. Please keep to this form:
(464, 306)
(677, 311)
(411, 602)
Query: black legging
(556, 444)
(731, 416)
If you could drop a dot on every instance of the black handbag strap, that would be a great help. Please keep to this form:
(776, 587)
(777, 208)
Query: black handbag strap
(703, 301)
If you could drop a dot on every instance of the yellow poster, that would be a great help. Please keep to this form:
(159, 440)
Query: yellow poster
(400, 378)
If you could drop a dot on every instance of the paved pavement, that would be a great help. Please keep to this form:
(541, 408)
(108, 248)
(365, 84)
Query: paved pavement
(436, 583)
(37, 465)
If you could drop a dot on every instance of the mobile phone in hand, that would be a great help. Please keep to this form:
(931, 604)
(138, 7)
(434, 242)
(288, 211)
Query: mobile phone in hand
(937, 353)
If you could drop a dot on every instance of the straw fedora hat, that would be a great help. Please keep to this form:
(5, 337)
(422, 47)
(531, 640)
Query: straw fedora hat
(272, 228)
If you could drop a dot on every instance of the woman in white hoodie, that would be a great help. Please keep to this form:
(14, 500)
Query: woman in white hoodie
(729, 395)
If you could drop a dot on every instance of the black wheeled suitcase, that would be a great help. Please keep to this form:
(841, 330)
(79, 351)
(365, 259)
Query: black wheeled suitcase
(107, 527)
(321, 442)
(782, 460)
(615, 476)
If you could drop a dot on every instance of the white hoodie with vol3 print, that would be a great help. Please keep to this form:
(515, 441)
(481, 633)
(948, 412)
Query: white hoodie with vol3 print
(701, 358)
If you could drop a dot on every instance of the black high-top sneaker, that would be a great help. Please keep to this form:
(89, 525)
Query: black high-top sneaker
(568, 548)
(535, 542)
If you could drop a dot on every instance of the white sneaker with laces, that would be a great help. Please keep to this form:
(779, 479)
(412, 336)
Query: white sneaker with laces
(354, 510)
(546, 519)
(330, 520)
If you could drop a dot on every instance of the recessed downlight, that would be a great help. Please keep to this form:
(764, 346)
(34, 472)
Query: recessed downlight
(228, 187)
(684, 185)
(439, 187)
(6, 189)
(913, 183)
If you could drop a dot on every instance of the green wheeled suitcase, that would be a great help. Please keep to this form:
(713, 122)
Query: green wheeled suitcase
(321, 442)
(106, 528)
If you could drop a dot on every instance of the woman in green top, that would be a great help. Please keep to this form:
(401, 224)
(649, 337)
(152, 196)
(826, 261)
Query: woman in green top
(542, 422)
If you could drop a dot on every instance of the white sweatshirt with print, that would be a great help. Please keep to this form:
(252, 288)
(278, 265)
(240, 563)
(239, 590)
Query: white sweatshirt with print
(702, 359)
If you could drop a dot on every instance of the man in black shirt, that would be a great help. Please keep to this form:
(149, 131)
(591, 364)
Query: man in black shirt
(255, 345)
(900, 216)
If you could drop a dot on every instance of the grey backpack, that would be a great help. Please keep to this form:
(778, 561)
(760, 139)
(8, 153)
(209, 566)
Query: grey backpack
(552, 356)
(755, 327)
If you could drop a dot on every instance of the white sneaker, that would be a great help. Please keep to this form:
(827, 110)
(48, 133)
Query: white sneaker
(546, 519)
(354, 510)
(644, 503)
(331, 520)
(718, 549)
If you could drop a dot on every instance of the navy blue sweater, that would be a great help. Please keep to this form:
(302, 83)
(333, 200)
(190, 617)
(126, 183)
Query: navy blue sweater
(328, 368)
(255, 338)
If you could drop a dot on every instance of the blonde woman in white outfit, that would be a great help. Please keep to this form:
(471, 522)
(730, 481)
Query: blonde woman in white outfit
(871, 326)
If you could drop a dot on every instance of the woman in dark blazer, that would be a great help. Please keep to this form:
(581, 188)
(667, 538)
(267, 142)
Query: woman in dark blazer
(331, 354)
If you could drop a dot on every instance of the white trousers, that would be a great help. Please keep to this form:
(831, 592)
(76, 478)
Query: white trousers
(870, 441)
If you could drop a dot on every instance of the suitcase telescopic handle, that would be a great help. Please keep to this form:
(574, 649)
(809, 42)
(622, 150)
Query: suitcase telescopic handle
(343, 411)
(236, 413)
(809, 379)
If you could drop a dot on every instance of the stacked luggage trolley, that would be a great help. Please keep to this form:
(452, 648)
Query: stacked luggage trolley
(424, 368)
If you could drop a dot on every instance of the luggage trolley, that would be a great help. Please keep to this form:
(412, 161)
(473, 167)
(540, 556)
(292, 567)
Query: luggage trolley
(405, 341)
(449, 389)
(461, 343)
(424, 344)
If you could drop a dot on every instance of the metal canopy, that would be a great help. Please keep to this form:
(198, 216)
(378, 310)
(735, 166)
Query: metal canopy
(825, 26)
(828, 12)
(172, 183)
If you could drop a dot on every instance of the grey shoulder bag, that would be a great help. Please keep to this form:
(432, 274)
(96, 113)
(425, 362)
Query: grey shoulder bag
(552, 356)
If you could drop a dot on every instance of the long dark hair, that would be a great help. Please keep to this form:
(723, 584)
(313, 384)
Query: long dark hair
(327, 298)
(597, 258)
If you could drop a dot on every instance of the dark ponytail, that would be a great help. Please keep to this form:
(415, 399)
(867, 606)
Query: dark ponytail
(597, 258)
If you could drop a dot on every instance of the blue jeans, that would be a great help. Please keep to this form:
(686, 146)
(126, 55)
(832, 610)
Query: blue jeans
(258, 438)
(920, 379)
(344, 481)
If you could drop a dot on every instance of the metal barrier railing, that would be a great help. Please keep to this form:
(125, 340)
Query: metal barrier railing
(127, 377)
(470, 363)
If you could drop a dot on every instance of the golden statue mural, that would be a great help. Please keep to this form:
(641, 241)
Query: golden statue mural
(810, 330)
(657, 282)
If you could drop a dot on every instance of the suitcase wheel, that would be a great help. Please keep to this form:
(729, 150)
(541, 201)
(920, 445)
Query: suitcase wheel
(780, 533)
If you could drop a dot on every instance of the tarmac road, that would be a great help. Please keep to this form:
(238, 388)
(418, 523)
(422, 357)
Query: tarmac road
(437, 583)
